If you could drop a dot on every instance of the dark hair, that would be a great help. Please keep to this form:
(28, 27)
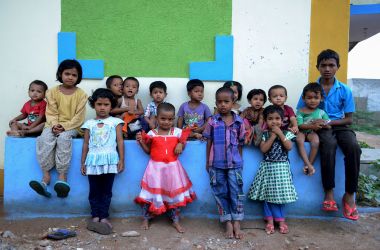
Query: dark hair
(110, 79)
(157, 84)
(313, 87)
(256, 92)
(39, 83)
(238, 86)
(194, 83)
(102, 93)
(328, 54)
(277, 87)
(165, 106)
(227, 90)
(69, 64)
(133, 79)
(273, 109)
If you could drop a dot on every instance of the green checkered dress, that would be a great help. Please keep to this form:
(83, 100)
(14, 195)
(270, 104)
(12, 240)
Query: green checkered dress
(273, 182)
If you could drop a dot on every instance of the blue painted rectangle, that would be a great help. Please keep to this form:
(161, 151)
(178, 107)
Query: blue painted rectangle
(365, 9)
(21, 201)
(92, 69)
(66, 46)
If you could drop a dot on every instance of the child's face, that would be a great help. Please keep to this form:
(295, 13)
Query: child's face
(69, 77)
(131, 88)
(158, 95)
(257, 101)
(36, 92)
(117, 86)
(165, 119)
(278, 97)
(196, 94)
(327, 68)
(224, 103)
(236, 92)
(273, 120)
(102, 107)
(312, 99)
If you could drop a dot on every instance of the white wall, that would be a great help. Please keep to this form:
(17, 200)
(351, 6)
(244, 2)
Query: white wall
(271, 46)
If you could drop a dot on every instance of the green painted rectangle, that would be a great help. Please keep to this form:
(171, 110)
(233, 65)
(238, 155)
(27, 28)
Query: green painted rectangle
(147, 38)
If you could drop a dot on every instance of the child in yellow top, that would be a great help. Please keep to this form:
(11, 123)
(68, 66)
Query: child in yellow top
(65, 113)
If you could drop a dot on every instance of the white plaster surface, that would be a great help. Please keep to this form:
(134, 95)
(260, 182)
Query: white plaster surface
(271, 46)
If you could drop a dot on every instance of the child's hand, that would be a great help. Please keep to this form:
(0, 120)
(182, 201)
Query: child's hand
(57, 129)
(139, 137)
(276, 130)
(198, 136)
(178, 149)
(12, 122)
(24, 127)
(309, 170)
(294, 129)
(120, 166)
(83, 169)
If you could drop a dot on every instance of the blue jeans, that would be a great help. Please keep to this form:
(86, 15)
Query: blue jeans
(274, 211)
(100, 194)
(227, 186)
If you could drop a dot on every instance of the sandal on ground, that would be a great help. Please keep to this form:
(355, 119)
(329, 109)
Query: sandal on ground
(61, 234)
(329, 206)
(62, 188)
(40, 188)
(99, 227)
(269, 228)
(284, 229)
(350, 213)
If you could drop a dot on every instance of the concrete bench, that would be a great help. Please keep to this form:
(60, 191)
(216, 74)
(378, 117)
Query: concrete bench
(21, 166)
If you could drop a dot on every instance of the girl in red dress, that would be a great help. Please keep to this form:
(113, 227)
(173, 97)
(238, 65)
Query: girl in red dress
(165, 186)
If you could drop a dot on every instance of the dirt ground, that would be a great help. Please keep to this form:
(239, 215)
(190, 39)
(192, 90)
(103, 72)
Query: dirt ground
(200, 234)
(371, 140)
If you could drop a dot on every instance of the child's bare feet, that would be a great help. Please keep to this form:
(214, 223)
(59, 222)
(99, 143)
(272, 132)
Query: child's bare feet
(237, 231)
(178, 227)
(95, 219)
(145, 224)
(46, 177)
(229, 234)
(15, 133)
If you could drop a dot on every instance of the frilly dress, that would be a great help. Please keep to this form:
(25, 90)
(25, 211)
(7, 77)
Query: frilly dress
(102, 156)
(165, 184)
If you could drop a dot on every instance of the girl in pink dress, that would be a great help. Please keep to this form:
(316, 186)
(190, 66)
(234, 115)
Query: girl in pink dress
(165, 186)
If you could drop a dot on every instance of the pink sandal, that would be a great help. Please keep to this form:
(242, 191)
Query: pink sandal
(284, 229)
(350, 213)
(269, 228)
(329, 206)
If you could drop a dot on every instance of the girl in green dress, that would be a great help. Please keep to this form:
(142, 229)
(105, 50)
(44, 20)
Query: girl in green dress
(273, 183)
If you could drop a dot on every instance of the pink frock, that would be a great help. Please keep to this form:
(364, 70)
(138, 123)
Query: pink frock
(165, 184)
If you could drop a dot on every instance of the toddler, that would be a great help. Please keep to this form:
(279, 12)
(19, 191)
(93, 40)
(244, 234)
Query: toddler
(102, 157)
(273, 183)
(277, 95)
(33, 111)
(194, 114)
(165, 186)
(129, 108)
(115, 84)
(157, 91)
(310, 119)
(65, 112)
(254, 115)
(225, 137)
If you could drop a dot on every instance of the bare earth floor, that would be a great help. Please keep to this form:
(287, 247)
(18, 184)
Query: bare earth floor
(200, 234)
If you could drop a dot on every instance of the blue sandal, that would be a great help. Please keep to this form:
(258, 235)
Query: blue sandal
(40, 188)
(62, 188)
(61, 234)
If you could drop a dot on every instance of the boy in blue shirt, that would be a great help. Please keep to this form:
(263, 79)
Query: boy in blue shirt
(339, 105)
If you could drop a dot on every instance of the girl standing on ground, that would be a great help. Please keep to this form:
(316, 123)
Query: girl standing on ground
(65, 112)
(273, 183)
(102, 157)
(165, 186)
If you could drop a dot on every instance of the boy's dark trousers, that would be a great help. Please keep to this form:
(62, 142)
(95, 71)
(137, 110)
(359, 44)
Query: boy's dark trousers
(100, 194)
(345, 138)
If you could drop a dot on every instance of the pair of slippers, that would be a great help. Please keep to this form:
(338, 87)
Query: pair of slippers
(61, 234)
(62, 188)
(99, 227)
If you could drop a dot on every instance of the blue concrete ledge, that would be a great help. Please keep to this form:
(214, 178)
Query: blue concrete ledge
(21, 166)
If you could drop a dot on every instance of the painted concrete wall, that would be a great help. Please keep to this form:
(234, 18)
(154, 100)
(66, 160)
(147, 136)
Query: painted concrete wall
(271, 47)
(18, 196)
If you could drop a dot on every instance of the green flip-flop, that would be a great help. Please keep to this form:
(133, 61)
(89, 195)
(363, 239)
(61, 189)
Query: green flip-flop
(62, 188)
(40, 188)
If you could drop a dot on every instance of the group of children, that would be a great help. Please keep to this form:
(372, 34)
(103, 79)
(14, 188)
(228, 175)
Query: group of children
(165, 186)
